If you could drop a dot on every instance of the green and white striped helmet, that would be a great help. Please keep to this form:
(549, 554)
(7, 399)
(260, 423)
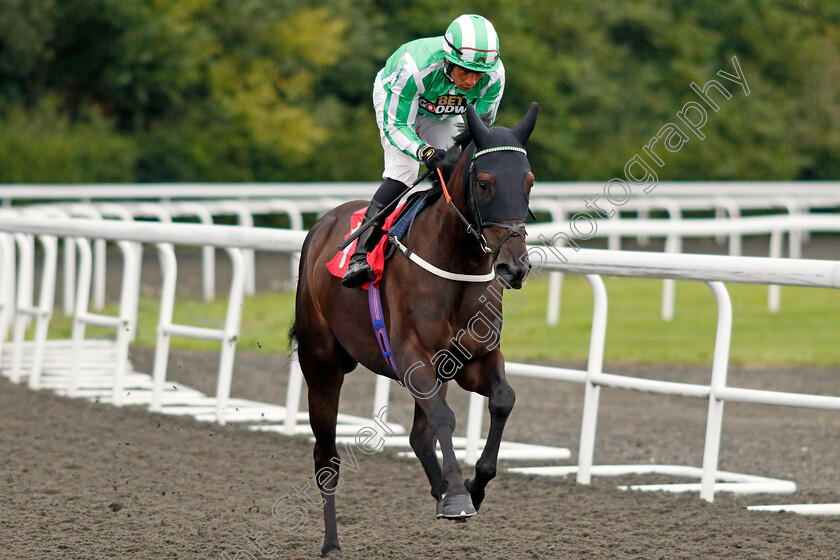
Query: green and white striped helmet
(471, 42)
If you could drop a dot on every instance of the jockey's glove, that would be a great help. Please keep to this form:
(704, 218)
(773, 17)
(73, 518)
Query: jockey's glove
(432, 157)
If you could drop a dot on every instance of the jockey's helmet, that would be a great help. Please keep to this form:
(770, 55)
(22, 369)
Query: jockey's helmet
(471, 42)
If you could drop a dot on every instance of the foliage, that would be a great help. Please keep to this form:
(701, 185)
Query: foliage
(43, 145)
(246, 90)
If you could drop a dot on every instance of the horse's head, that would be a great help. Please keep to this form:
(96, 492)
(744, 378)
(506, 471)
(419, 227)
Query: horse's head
(497, 189)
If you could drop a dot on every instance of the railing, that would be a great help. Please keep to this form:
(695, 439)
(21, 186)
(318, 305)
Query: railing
(560, 200)
(559, 237)
(714, 270)
(348, 190)
(233, 239)
(711, 269)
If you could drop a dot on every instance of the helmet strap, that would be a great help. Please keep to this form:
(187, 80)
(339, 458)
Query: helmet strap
(447, 70)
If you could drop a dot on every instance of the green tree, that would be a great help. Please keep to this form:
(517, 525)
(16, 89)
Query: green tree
(25, 30)
(248, 90)
(43, 145)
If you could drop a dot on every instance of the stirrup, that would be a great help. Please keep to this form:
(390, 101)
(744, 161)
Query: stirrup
(358, 271)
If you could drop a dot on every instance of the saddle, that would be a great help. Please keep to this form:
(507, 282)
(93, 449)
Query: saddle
(397, 225)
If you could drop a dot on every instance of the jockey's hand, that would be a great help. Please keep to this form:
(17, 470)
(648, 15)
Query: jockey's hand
(432, 157)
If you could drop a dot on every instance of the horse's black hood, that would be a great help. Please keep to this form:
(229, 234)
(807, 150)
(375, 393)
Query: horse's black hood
(493, 156)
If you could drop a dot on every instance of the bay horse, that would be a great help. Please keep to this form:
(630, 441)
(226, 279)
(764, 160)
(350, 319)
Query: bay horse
(440, 328)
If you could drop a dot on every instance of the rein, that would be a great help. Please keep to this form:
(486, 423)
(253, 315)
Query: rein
(471, 229)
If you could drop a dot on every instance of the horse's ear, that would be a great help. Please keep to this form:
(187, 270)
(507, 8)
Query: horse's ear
(479, 130)
(523, 130)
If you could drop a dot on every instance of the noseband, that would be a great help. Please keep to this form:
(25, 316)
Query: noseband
(476, 224)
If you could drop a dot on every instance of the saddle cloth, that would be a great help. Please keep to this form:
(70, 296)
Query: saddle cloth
(397, 224)
(376, 258)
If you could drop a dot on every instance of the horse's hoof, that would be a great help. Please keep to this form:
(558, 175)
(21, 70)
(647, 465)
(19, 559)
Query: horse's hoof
(458, 506)
(330, 551)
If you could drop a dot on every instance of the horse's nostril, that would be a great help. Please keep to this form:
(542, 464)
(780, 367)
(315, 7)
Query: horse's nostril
(512, 276)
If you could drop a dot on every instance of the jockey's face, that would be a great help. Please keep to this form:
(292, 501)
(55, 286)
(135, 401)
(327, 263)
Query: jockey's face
(465, 79)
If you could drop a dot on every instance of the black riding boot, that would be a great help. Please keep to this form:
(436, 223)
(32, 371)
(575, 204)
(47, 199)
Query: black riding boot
(359, 271)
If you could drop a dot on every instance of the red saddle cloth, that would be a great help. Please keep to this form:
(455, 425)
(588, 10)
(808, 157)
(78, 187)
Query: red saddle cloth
(376, 258)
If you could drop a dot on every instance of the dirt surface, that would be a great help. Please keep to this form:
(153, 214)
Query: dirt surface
(82, 480)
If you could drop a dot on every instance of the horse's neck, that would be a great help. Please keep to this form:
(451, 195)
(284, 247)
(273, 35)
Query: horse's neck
(444, 241)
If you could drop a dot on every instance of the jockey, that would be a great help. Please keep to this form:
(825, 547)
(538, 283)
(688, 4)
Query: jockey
(418, 96)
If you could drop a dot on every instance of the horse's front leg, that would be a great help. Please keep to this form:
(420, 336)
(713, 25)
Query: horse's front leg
(454, 501)
(487, 377)
(422, 441)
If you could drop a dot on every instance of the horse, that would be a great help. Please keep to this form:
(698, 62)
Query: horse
(442, 327)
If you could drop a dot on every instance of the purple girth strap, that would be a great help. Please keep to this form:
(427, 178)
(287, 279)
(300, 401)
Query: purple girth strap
(375, 304)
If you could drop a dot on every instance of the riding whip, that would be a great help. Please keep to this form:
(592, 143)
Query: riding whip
(382, 213)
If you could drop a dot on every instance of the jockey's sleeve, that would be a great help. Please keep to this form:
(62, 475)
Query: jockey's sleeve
(408, 81)
(401, 104)
(491, 93)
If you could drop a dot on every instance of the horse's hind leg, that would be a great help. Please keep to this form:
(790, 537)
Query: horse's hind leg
(423, 443)
(324, 374)
(323, 410)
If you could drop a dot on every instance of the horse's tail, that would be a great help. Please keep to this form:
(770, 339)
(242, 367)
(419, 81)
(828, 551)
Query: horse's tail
(293, 335)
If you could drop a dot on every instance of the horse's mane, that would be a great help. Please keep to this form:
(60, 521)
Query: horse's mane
(462, 140)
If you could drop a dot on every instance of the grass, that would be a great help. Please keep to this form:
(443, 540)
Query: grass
(804, 332)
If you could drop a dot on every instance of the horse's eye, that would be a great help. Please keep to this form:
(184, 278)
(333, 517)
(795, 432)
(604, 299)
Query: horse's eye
(484, 186)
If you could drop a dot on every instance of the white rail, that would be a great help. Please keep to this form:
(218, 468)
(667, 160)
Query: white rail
(711, 269)
(344, 190)
(561, 200)
(560, 238)
(714, 270)
(128, 235)
(261, 239)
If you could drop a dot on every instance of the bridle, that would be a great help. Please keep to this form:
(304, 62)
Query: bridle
(476, 224)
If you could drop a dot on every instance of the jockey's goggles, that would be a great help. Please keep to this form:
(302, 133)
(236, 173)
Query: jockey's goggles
(488, 57)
